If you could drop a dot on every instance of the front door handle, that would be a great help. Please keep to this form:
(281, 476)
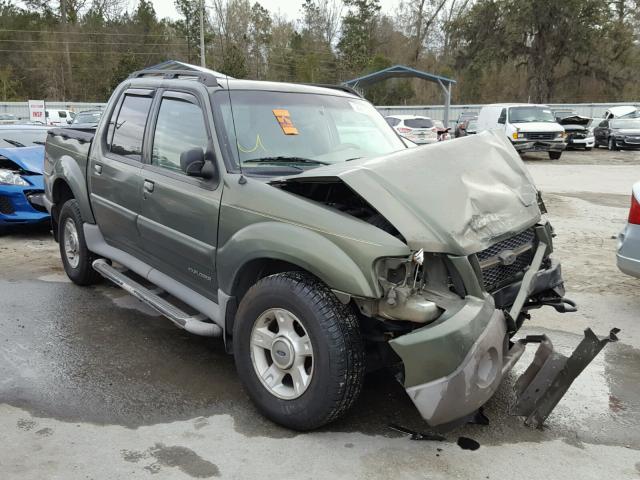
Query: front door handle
(97, 168)
(148, 186)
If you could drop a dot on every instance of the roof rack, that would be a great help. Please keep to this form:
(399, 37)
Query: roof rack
(208, 79)
(342, 88)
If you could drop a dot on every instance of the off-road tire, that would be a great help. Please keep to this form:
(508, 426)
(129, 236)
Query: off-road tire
(338, 352)
(83, 273)
(555, 155)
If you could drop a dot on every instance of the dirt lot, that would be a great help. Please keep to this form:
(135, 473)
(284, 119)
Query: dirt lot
(95, 385)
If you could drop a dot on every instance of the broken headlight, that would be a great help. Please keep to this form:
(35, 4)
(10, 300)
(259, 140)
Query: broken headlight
(7, 177)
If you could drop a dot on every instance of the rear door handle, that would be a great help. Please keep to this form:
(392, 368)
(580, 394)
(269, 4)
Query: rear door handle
(97, 168)
(148, 186)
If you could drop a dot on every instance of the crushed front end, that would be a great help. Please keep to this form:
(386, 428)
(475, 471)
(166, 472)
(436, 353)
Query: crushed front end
(465, 311)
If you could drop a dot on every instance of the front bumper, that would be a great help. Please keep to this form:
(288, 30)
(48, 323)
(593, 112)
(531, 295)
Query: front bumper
(539, 146)
(587, 142)
(23, 204)
(626, 142)
(474, 342)
(628, 254)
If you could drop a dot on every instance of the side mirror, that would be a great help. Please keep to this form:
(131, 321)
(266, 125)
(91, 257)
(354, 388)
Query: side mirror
(194, 164)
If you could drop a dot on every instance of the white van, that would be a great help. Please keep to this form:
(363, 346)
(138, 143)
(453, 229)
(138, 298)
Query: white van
(531, 128)
(59, 117)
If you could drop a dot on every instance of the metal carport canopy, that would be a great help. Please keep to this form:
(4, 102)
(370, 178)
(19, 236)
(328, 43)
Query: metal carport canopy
(403, 71)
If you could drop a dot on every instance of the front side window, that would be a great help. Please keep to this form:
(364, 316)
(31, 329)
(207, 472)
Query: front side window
(129, 127)
(180, 127)
(62, 114)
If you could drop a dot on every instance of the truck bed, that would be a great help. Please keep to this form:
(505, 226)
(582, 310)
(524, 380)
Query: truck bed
(69, 141)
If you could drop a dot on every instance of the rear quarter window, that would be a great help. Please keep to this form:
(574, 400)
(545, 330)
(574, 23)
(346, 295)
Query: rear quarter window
(128, 127)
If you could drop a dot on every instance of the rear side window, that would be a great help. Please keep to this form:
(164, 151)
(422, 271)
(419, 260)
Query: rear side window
(180, 127)
(392, 121)
(129, 127)
(419, 123)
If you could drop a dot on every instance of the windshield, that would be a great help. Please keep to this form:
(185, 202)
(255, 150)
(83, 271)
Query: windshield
(22, 138)
(564, 114)
(626, 123)
(267, 130)
(472, 125)
(420, 122)
(87, 117)
(530, 114)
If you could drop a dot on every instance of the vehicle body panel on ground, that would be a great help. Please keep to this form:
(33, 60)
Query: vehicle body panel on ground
(529, 127)
(21, 182)
(628, 254)
(252, 205)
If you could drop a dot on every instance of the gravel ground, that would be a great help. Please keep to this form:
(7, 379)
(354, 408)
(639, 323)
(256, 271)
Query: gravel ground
(95, 385)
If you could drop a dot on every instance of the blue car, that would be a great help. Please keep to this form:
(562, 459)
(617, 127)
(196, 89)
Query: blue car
(21, 166)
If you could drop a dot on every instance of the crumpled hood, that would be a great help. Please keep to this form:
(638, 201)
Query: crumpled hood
(575, 120)
(30, 159)
(455, 197)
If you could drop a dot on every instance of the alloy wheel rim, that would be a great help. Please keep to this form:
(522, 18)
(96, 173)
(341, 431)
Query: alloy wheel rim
(71, 243)
(282, 353)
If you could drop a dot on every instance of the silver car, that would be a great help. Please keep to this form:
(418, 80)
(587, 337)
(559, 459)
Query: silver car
(629, 239)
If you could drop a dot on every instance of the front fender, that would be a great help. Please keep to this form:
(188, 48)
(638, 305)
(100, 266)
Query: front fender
(297, 245)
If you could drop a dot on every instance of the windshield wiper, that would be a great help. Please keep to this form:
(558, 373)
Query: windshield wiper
(282, 159)
(13, 142)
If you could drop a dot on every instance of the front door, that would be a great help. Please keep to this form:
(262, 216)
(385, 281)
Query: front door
(114, 176)
(178, 223)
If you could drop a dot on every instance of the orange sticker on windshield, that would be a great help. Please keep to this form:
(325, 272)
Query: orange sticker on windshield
(284, 119)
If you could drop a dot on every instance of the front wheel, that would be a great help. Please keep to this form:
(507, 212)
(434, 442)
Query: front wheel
(555, 155)
(76, 258)
(612, 144)
(298, 351)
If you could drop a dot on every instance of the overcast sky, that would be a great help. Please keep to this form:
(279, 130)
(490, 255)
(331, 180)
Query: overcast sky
(289, 8)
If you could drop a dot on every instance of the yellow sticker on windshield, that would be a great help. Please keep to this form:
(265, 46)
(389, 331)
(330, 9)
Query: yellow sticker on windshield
(284, 119)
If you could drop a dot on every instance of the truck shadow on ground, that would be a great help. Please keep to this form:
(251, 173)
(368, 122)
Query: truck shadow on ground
(90, 355)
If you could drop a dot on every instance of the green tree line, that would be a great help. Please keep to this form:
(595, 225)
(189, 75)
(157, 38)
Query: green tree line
(497, 50)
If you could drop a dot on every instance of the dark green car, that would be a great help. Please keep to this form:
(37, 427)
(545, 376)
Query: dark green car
(293, 222)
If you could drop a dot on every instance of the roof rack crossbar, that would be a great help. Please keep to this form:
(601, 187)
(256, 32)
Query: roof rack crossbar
(208, 79)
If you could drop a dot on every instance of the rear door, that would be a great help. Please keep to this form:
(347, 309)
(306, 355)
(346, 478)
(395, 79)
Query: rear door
(178, 224)
(114, 176)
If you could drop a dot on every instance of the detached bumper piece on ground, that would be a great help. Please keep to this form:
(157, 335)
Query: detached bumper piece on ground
(550, 375)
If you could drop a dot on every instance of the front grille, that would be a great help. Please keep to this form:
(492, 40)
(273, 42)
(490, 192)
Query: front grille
(6, 206)
(575, 136)
(497, 270)
(540, 135)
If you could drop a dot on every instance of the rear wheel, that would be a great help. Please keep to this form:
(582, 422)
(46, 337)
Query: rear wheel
(298, 351)
(555, 155)
(76, 257)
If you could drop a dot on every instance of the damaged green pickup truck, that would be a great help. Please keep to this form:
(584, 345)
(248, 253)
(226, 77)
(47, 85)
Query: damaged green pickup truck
(293, 222)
